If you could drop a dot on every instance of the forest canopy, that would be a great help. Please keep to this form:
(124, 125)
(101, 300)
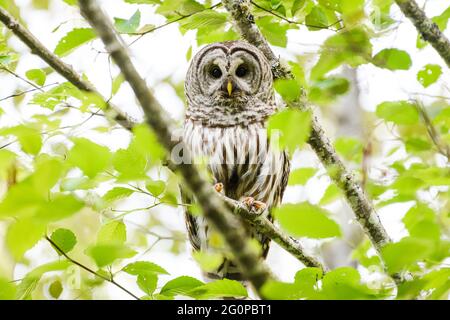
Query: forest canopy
(91, 103)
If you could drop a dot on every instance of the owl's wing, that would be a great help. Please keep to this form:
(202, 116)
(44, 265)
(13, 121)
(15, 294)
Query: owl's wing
(190, 220)
(285, 176)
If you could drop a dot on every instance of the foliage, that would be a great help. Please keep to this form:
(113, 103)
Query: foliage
(60, 180)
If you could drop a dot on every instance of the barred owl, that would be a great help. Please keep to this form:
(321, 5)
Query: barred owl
(229, 90)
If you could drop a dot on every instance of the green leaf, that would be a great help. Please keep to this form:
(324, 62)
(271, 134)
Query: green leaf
(116, 84)
(38, 76)
(26, 197)
(55, 289)
(291, 127)
(401, 255)
(143, 268)
(399, 112)
(61, 206)
(296, 6)
(344, 283)
(306, 220)
(106, 254)
(288, 89)
(143, 1)
(208, 18)
(131, 164)
(208, 261)
(147, 282)
(180, 286)
(90, 157)
(130, 25)
(316, 19)
(155, 187)
(176, 8)
(361, 253)
(64, 239)
(349, 148)
(331, 194)
(429, 74)
(325, 90)
(352, 47)
(305, 286)
(30, 281)
(73, 40)
(7, 289)
(219, 289)
(420, 221)
(273, 30)
(301, 176)
(277, 290)
(117, 193)
(392, 59)
(71, 2)
(112, 232)
(30, 138)
(22, 235)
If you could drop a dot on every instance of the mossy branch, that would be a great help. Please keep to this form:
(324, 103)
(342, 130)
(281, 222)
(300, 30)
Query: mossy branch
(319, 142)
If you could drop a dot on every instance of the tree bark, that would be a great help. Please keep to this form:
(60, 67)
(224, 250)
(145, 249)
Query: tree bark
(426, 27)
(65, 70)
(344, 179)
(214, 209)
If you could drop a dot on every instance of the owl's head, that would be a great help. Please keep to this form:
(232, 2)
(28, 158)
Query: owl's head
(229, 71)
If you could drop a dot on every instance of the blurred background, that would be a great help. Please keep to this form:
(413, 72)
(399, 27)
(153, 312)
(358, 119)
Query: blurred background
(368, 145)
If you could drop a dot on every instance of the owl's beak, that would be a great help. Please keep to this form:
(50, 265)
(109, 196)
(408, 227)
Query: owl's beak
(229, 87)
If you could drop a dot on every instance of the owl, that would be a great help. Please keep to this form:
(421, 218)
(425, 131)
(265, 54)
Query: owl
(229, 91)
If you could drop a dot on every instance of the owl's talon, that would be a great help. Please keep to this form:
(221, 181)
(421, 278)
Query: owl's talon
(218, 187)
(259, 205)
(254, 205)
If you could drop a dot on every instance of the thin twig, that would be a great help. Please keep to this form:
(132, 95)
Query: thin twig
(2, 67)
(111, 280)
(428, 30)
(141, 34)
(442, 147)
(18, 94)
(297, 22)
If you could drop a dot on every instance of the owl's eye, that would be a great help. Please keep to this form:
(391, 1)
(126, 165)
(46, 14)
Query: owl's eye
(215, 72)
(241, 71)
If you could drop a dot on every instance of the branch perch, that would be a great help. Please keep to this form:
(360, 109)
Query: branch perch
(426, 27)
(344, 179)
(214, 209)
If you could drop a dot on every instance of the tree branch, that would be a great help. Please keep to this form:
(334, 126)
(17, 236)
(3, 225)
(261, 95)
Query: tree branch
(214, 209)
(60, 66)
(111, 280)
(361, 206)
(426, 27)
(264, 225)
(243, 21)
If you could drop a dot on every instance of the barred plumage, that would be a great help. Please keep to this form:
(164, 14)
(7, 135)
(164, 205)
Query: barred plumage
(229, 130)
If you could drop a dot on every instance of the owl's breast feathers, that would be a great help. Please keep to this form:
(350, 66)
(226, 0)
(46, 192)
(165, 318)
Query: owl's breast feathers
(241, 158)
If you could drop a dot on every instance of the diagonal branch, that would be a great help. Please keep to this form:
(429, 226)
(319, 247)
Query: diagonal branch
(65, 70)
(60, 66)
(266, 227)
(361, 206)
(243, 21)
(214, 209)
(426, 27)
